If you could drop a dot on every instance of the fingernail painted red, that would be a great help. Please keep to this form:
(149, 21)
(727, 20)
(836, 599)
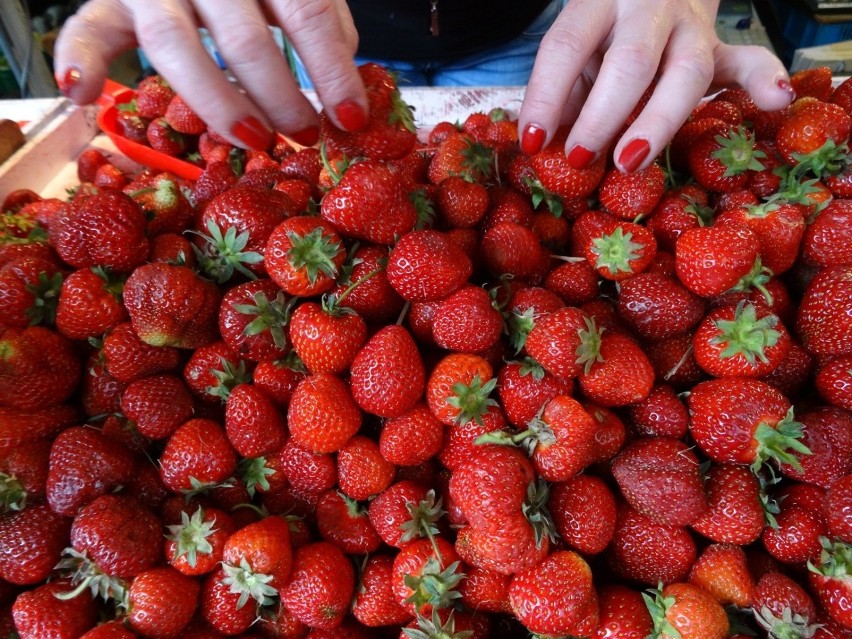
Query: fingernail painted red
(306, 137)
(633, 154)
(67, 81)
(351, 115)
(580, 157)
(785, 85)
(253, 133)
(532, 139)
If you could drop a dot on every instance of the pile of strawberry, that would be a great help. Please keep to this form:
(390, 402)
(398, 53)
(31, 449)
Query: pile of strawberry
(443, 389)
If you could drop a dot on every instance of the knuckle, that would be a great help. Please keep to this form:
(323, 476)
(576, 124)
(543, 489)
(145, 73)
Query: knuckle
(632, 61)
(304, 14)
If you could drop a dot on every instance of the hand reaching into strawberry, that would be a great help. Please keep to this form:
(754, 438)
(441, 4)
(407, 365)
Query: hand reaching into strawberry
(624, 74)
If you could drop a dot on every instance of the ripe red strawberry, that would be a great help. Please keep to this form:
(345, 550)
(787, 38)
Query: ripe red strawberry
(219, 607)
(320, 587)
(740, 341)
(616, 249)
(509, 249)
(164, 139)
(555, 339)
(795, 536)
(217, 177)
(826, 241)
(507, 204)
(467, 321)
(552, 175)
(362, 472)
(33, 539)
(186, 464)
(153, 95)
(722, 161)
(660, 477)
(812, 133)
(744, 421)
(369, 203)
(326, 336)
(723, 571)
(126, 357)
(629, 196)
(685, 610)
(90, 303)
(368, 291)
(252, 316)
(714, 259)
(322, 415)
(425, 266)
(485, 590)
(388, 132)
(524, 388)
(827, 433)
(820, 321)
(411, 438)
(172, 249)
(815, 83)
(623, 614)
(88, 163)
(458, 387)
(25, 469)
(195, 545)
(460, 154)
(39, 613)
(253, 424)
(375, 605)
(341, 521)
(616, 370)
(460, 438)
(38, 368)
(658, 306)
(111, 177)
(29, 286)
(648, 552)
(107, 228)
(425, 574)
(132, 125)
(565, 598)
(26, 426)
(835, 509)
(736, 510)
(781, 604)
(110, 630)
(279, 378)
(584, 511)
(461, 204)
(833, 381)
(303, 255)
(162, 602)
(182, 118)
(257, 559)
(172, 306)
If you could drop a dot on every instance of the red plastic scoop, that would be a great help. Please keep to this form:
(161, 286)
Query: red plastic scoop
(114, 94)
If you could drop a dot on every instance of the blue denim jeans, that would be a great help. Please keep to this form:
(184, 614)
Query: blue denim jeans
(507, 65)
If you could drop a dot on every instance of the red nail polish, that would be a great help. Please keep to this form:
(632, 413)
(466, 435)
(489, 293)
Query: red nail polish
(351, 116)
(67, 81)
(633, 154)
(785, 85)
(306, 137)
(580, 157)
(532, 139)
(253, 133)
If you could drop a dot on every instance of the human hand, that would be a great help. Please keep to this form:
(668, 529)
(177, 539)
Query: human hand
(167, 30)
(599, 57)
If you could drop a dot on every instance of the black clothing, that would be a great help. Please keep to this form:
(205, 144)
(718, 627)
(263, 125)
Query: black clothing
(438, 30)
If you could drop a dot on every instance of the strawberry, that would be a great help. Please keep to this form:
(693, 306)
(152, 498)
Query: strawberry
(186, 465)
(722, 161)
(508, 248)
(33, 539)
(565, 599)
(467, 321)
(126, 357)
(172, 306)
(369, 203)
(109, 630)
(819, 318)
(736, 510)
(524, 388)
(722, 570)
(90, 303)
(556, 182)
(375, 604)
(279, 378)
(826, 241)
(781, 605)
(615, 249)
(623, 614)
(111, 177)
(574, 281)
(425, 574)
(835, 509)
(687, 611)
(323, 415)
(584, 511)
(38, 368)
(833, 380)
(308, 472)
(164, 139)
(326, 336)
(660, 478)
(29, 286)
(827, 433)
(388, 132)
(39, 613)
(219, 609)
(26, 426)
(103, 229)
(320, 587)
(795, 536)
(460, 438)
(740, 341)
(162, 602)
(425, 266)
(661, 414)
(616, 370)
(459, 154)
(344, 523)
(815, 83)
(182, 118)
(658, 306)
(370, 294)
(714, 259)
(303, 255)
(172, 249)
(649, 552)
(813, 134)
(458, 387)
(239, 223)
(24, 475)
(462, 204)
(257, 560)
(485, 590)
(555, 339)
(411, 438)
(362, 472)
(253, 423)
(153, 95)
(217, 177)
(195, 545)
(629, 196)
(507, 205)
(252, 317)
(212, 371)
(132, 125)
(88, 163)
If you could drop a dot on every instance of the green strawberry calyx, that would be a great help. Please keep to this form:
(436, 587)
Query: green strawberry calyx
(746, 335)
(221, 255)
(270, 316)
(242, 580)
(85, 575)
(788, 626)
(615, 251)
(434, 587)
(191, 536)
(658, 606)
(254, 472)
(314, 253)
(589, 351)
(737, 152)
(536, 512)
(424, 518)
(835, 560)
(472, 400)
(13, 496)
(432, 628)
(776, 442)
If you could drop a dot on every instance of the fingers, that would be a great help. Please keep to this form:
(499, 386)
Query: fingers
(323, 34)
(88, 41)
(243, 38)
(758, 71)
(684, 78)
(564, 51)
